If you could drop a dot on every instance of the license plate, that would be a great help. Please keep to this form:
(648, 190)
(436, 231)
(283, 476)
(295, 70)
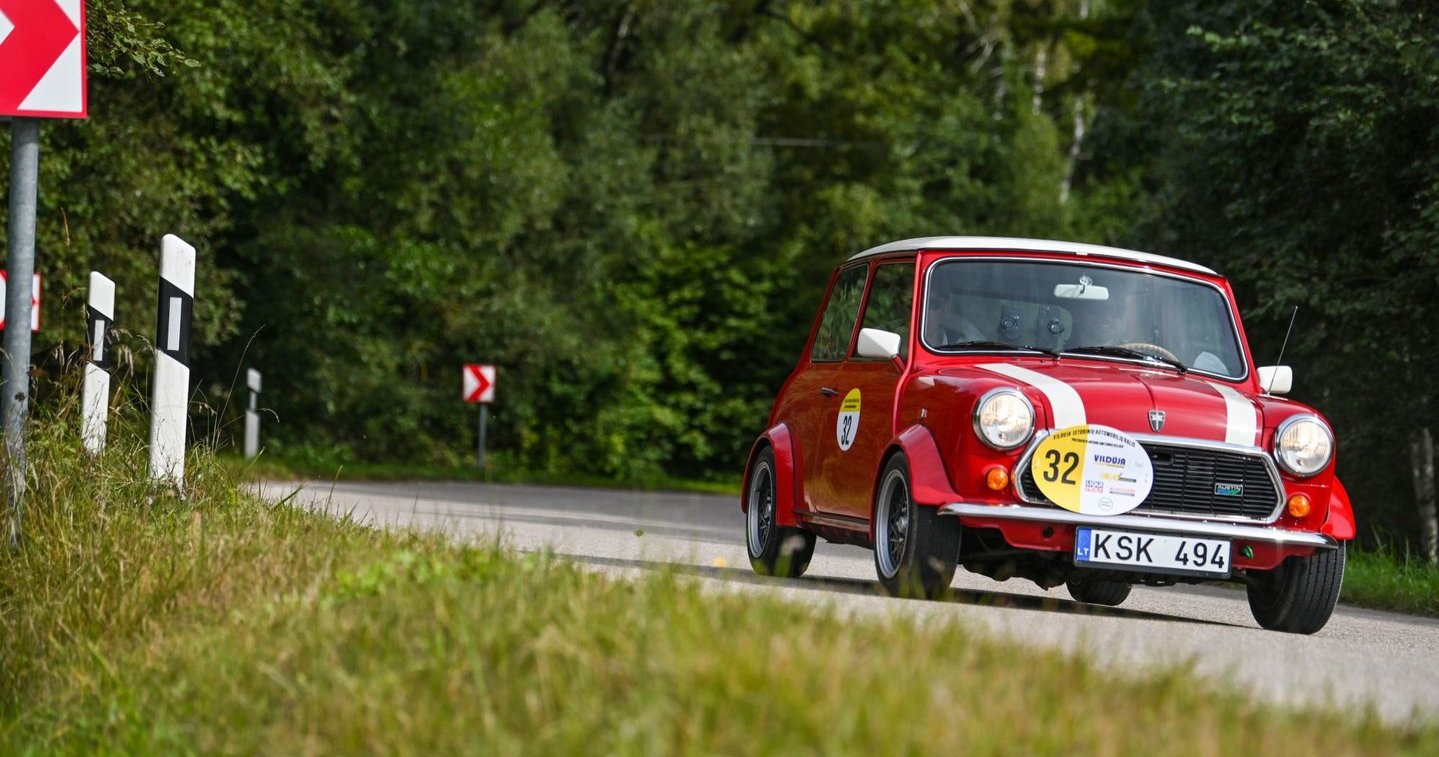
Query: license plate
(1151, 553)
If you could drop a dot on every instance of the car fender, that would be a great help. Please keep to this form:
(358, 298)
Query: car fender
(928, 479)
(1340, 521)
(787, 482)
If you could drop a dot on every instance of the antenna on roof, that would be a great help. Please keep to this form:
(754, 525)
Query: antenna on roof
(1283, 345)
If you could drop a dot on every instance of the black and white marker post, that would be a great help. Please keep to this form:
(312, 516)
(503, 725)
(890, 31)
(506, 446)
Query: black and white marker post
(252, 415)
(95, 400)
(171, 389)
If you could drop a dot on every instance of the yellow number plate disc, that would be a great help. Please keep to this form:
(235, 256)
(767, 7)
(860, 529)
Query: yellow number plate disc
(1092, 470)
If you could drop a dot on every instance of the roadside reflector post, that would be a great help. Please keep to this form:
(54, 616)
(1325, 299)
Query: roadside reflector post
(95, 398)
(477, 384)
(15, 394)
(252, 415)
(169, 399)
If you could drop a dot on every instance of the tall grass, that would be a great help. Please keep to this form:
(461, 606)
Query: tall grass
(1388, 580)
(137, 621)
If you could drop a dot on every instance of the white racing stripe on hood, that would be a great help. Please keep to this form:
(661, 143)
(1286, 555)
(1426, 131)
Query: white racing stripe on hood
(1068, 408)
(1242, 425)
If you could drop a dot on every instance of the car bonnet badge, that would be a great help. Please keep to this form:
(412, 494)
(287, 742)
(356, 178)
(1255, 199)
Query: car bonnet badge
(1156, 420)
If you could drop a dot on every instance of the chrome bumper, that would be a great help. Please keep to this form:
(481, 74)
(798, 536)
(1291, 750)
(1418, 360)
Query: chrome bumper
(1142, 523)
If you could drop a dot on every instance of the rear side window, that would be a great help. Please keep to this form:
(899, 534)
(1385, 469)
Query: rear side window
(837, 325)
(891, 301)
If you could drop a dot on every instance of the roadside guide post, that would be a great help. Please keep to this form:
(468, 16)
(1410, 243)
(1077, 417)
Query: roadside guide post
(252, 415)
(42, 55)
(95, 399)
(171, 388)
(478, 385)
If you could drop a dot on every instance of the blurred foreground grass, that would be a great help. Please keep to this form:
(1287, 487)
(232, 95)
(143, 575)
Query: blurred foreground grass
(134, 621)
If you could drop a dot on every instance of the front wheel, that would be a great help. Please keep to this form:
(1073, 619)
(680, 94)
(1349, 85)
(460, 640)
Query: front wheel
(915, 548)
(1300, 594)
(774, 550)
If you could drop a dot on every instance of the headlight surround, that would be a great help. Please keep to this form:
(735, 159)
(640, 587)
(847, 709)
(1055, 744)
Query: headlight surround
(1003, 419)
(1303, 445)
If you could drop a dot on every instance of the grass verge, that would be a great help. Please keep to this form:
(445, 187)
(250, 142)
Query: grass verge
(1386, 581)
(136, 621)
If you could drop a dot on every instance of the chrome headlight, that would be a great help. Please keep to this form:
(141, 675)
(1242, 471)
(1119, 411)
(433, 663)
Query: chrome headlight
(1003, 419)
(1303, 445)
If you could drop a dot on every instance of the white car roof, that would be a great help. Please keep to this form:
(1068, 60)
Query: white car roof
(1029, 245)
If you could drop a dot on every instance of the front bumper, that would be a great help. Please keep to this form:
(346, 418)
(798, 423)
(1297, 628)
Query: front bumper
(1263, 534)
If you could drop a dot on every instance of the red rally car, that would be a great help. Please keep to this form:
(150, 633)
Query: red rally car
(1067, 413)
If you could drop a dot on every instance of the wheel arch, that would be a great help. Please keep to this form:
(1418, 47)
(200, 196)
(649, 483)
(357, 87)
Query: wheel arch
(1339, 523)
(928, 477)
(787, 482)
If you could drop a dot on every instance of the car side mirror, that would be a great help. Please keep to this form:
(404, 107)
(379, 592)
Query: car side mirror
(878, 343)
(1276, 379)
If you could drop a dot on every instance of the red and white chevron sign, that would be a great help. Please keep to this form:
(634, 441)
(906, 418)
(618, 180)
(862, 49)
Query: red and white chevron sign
(478, 383)
(42, 58)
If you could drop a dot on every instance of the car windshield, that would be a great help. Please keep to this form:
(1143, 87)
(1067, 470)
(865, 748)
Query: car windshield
(1099, 311)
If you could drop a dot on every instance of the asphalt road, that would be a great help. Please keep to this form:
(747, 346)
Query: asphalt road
(1363, 658)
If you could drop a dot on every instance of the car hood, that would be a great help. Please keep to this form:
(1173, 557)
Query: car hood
(1071, 392)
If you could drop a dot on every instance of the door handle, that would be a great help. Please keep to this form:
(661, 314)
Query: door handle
(828, 392)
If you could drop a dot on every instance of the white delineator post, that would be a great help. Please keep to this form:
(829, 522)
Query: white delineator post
(95, 400)
(171, 389)
(252, 415)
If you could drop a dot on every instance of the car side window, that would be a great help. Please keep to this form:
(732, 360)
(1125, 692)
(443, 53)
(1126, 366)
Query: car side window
(837, 325)
(891, 301)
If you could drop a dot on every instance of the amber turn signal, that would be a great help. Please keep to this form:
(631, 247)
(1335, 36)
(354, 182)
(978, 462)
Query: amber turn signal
(996, 478)
(1299, 505)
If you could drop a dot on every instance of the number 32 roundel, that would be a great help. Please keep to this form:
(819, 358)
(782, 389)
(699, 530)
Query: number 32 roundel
(1092, 470)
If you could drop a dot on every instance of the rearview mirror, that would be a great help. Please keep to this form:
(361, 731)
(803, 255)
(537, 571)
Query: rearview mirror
(1086, 289)
(877, 343)
(1276, 379)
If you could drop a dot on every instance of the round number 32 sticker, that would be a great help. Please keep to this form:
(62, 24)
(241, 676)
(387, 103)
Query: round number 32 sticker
(1092, 470)
(847, 425)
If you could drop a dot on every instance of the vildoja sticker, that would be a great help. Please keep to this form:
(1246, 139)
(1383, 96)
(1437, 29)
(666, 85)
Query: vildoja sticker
(847, 425)
(1092, 470)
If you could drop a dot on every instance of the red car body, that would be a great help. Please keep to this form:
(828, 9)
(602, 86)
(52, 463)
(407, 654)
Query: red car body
(1208, 434)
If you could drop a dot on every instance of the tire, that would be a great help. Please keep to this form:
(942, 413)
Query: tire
(1300, 594)
(1098, 591)
(773, 550)
(915, 548)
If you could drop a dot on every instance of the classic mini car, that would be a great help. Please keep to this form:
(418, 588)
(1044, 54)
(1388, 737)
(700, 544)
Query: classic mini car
(1066, 413)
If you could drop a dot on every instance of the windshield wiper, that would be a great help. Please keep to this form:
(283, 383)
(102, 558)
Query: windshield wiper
(984, 344)
(1115, 351)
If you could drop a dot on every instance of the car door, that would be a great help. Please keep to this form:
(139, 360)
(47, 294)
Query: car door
(815, 391)
(867, 394)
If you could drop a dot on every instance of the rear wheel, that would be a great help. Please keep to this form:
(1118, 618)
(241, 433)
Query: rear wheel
(1300, 594)
(915, 548)
(1098, 591)
(774, 550)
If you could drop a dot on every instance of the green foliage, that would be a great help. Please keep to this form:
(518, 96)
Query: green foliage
(1294, 150)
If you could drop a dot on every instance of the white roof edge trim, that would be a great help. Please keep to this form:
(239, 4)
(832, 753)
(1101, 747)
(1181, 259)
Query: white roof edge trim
(1030, 245)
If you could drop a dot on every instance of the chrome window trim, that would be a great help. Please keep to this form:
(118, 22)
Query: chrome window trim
(1232, 309)
(1290, 421)
(1172, 441)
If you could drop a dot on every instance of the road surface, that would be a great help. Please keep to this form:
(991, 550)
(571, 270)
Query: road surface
(1363, 658)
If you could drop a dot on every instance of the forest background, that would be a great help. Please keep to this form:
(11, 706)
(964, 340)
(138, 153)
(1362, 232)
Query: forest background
(631, 206)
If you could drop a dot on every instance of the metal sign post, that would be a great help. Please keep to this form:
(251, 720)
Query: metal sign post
(477, 384)
(42, 57)
(15, 392)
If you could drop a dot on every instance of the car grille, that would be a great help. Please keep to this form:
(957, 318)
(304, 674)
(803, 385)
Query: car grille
(1186, 480)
